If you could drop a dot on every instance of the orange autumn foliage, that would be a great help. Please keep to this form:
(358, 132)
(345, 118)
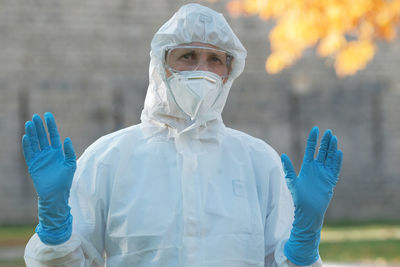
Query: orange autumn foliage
(345, 30)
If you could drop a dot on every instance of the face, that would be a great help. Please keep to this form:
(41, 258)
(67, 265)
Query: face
(198, 56)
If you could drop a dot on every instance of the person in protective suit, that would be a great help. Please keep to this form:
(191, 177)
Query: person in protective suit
(180, 188)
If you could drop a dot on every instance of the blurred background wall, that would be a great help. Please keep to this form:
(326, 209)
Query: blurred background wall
(87, 62)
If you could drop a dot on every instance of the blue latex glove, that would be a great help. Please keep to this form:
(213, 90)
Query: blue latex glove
(311, 191)
(52, 170)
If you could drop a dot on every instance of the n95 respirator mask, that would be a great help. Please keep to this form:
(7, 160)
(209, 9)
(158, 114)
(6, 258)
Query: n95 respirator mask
(195, 92)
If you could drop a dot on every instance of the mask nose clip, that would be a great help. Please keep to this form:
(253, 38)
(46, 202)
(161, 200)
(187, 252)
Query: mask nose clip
(211, 80)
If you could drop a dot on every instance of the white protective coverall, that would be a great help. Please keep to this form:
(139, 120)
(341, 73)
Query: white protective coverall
(170, 192)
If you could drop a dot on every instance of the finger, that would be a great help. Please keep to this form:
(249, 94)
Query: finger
(311, 144)
(40, 131)
(69, 151)
(52, 128)
(338, 162)
(290, 173)
(323, 148)
(31, 133)
(27, 149)
(330, 158)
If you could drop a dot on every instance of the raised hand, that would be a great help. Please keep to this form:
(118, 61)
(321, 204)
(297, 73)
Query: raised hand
(311, 191)
(52, 170)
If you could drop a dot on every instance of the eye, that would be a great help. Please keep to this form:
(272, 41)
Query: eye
(188, 55)
(216, 59)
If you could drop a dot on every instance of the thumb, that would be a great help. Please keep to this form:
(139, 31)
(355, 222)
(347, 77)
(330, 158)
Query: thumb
(70, 157)
(288, 168)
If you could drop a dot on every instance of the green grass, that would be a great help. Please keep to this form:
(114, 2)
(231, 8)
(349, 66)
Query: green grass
(339, 242)
(364, 242)
(355, 251)
(15, 235)
(15, 263)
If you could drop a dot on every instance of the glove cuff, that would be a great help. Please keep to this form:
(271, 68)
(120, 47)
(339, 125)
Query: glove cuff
(55, 236)
(302, 249)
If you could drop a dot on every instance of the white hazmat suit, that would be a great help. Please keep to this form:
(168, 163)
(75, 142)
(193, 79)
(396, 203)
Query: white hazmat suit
(174, 192)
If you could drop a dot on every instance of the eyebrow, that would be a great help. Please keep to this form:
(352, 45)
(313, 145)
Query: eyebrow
(216, 54)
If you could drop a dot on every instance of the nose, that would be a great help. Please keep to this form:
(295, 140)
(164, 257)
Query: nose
(202, 64)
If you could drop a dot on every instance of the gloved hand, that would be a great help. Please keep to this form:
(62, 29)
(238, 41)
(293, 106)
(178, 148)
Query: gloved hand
(52, 170)
(311, 191)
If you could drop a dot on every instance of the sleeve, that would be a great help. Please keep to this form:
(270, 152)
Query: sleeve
(88, 201)
(279, 219)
